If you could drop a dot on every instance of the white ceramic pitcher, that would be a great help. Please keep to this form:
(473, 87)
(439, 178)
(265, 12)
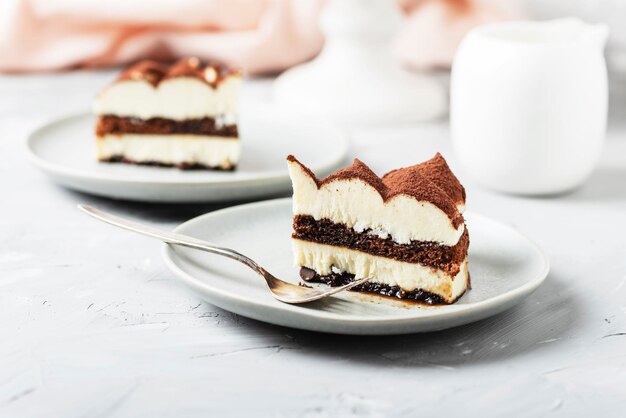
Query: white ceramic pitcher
(529, 104)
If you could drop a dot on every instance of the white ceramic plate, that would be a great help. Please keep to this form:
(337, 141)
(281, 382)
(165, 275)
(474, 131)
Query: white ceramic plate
(64, 149)
(505, 267)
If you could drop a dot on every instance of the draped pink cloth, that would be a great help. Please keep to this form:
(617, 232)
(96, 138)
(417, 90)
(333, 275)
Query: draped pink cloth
(257, 35)
(434, 28)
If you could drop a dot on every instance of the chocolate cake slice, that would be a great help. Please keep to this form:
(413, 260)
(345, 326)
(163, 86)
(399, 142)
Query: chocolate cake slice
(183, 115)
(405, 231)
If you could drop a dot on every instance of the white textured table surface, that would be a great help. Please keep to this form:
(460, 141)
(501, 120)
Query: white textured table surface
(93, 325)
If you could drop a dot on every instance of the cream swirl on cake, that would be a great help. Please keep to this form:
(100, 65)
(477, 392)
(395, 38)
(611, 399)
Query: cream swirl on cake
(405, 230)
(183, 115)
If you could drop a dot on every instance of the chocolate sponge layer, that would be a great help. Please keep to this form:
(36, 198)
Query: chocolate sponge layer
(115, 125)
(431, 254)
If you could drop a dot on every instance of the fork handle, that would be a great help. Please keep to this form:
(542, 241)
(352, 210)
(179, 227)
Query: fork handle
(170, 237)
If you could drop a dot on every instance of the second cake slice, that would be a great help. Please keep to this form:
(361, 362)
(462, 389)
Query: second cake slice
(184, 115)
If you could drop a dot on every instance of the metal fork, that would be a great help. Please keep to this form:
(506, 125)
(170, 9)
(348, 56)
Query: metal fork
(281, 290)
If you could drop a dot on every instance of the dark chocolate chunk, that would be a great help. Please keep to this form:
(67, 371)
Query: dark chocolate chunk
(307, 273)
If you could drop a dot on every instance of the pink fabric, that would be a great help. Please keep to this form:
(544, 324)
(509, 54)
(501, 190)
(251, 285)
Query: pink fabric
(257, 35)
(434, 28)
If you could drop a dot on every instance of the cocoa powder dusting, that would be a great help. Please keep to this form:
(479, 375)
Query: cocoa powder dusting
(154, 72)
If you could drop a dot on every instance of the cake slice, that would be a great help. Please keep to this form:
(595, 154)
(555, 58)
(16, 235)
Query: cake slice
(405, 231)
(183, 115)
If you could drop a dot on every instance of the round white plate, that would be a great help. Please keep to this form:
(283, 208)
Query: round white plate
(64, 149)
(505, 267)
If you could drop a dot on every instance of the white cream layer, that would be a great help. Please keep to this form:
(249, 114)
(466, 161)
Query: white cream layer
(211, 151)
(408, 276)
(359, 206)
(177, 98)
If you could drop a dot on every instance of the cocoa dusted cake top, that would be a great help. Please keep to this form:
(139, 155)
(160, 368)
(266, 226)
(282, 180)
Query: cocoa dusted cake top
(435, 170)
(154, 72)
(430, 181)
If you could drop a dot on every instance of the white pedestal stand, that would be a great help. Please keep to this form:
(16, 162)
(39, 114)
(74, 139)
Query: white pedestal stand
(355, 80)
